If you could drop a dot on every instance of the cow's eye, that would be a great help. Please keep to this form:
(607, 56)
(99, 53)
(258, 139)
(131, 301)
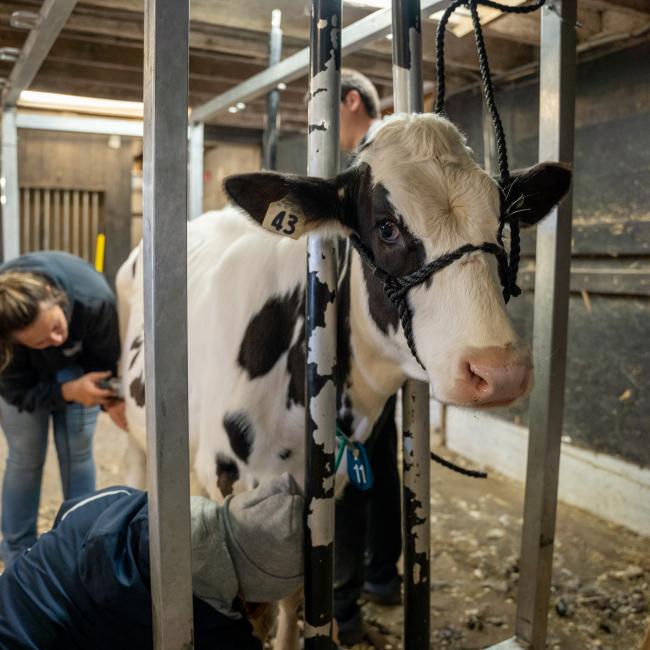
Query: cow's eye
(388, 231)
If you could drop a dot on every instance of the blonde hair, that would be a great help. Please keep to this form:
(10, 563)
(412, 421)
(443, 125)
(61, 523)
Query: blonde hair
(21, 296)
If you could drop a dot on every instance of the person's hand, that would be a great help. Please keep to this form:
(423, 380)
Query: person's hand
(117, 412)
(85, 390)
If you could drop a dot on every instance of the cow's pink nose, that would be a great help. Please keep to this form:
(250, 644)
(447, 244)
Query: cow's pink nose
(497, 377)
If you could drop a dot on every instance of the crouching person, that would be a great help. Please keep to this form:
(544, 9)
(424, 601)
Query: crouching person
(86, 583)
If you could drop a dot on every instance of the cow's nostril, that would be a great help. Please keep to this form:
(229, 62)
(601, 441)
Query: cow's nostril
(478, 382)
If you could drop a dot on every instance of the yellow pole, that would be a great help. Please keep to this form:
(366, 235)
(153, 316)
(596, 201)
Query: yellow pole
(99, 252)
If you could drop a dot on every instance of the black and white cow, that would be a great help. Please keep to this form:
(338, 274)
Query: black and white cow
(413, 194)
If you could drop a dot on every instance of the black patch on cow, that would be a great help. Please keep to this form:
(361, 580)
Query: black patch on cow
(240, 433)
(136, 347)
(365, 208)
(268, 334)
(296, 370)
(227, 473)
(134, 267)
(285, 454)
(136, 389)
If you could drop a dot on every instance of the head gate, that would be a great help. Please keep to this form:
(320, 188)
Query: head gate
(396, 288)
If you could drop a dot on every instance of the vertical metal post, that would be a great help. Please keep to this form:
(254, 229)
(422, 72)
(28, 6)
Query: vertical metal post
(489, 143)
(9, 195)
(407, 92)
(270, 143)
(165, 303)
(556, 130)
(320, 331)
(195, 174)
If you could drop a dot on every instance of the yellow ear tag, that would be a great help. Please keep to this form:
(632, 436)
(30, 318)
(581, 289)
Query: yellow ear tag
(282, 218)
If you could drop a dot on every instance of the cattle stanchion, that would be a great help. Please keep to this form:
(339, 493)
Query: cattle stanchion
(165, 305)
(407, 93)
(553, 260)
(9, 195)
(270, 143)
(320, 331)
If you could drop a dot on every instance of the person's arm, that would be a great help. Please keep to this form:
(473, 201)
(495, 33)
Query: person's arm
(23, 386)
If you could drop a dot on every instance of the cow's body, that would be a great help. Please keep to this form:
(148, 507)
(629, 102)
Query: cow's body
(414, 195)
(246, 351)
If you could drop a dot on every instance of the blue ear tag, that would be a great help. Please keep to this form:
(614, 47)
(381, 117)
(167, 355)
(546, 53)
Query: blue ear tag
(359, 471)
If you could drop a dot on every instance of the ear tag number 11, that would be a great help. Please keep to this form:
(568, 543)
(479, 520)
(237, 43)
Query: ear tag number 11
(359, 471)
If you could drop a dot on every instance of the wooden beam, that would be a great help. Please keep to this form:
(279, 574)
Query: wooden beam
(633, 6)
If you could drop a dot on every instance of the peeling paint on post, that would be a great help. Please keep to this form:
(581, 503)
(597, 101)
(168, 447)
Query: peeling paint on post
(320, 332)
(407, 91)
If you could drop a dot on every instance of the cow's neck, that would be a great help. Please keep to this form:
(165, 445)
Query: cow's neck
(375, 373)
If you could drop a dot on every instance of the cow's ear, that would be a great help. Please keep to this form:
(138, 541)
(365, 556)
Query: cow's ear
(286, 204)
(534, 191)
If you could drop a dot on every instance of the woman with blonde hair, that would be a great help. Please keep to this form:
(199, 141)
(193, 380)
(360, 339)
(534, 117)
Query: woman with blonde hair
(59, 342)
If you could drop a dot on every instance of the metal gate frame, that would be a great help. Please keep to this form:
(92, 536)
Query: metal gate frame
(165, 191)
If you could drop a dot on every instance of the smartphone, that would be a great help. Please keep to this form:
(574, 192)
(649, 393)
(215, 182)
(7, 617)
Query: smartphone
(114, 384)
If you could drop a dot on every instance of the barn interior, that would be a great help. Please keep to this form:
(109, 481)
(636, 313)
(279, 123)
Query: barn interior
(72, 170)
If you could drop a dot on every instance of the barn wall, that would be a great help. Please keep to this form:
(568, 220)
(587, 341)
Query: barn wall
(223, 159)
(84, 161)
(607, 402)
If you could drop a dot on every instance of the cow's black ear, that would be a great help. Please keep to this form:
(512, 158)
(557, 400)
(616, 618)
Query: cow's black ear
(534, 191)
(286, 204)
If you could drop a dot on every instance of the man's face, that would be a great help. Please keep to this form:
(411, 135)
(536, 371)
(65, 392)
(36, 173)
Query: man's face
(349, 117)
(49, 329)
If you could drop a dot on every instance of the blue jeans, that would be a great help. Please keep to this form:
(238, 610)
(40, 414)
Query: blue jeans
(26, 435)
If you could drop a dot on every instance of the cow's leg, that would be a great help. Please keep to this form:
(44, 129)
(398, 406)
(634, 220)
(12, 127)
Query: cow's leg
(287, 637)
(135, 463)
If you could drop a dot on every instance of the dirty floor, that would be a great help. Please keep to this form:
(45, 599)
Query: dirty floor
(601, 576)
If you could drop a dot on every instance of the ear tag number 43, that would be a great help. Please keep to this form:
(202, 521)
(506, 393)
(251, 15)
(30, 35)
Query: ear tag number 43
(287, 228)
(359, 471)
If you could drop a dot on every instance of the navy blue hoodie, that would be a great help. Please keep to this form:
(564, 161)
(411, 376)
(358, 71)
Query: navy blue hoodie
(86, 584)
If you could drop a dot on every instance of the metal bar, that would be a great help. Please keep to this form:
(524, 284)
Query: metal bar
(165, 302)
(51, 19)
(489, 144)
(75, 223)
(556, 127)
(66, 221)
(270, 140)
(195, 176)
(320, 411)
(353, 38)
(417, 514)
(94, 218)
(46, 220)
(408, 98)
(9, 194)
(25, 219)
(38, 232)
(85, 223)
(79, 124)
(56, 220)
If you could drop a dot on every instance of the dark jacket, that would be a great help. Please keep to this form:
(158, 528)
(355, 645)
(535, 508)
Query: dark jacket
(86, 584)
(93, 338)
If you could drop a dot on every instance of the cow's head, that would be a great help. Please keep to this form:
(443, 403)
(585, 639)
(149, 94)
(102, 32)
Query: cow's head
(414, 194)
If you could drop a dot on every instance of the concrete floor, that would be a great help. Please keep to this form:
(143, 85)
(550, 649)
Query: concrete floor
(601, 583)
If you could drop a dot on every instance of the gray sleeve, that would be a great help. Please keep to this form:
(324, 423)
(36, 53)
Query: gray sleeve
(213, 575)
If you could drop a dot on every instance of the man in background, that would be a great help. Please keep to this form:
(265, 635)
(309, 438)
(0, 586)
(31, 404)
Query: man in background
(374, 516)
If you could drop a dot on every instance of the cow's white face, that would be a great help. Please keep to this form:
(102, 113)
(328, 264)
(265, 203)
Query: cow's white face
(414, 194)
